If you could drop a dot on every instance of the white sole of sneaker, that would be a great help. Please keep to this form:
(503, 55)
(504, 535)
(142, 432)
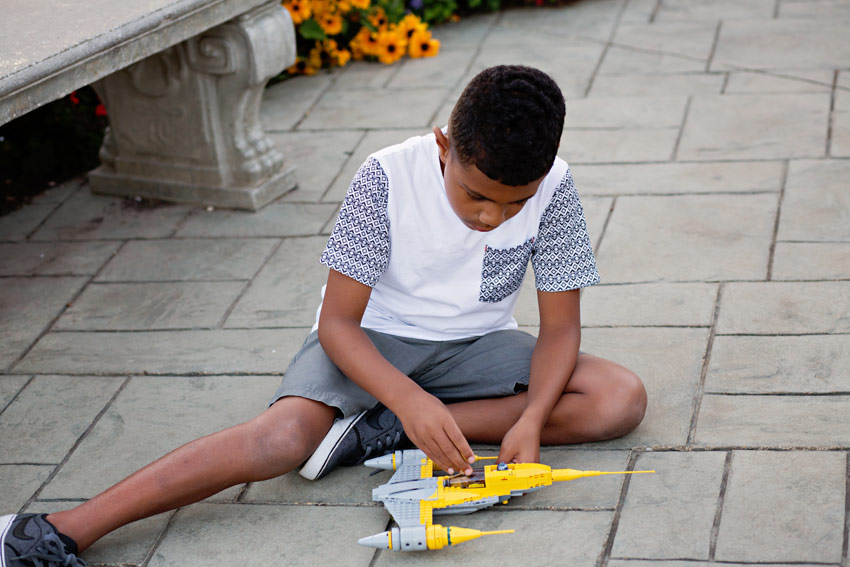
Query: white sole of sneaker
(319, 459)
(5, 524)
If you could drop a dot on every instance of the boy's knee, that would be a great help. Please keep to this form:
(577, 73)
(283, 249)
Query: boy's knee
(625, 406)
(279, 443)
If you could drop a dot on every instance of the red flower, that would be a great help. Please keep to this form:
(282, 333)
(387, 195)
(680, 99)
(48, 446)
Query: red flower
(73, 98)
(100, 110)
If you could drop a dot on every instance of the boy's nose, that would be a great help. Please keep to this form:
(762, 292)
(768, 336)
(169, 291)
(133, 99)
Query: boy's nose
(493, 214)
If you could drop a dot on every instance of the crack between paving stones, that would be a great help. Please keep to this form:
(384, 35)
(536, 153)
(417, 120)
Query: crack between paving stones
(705, 363)
(773, 240)
(713, 49)
(17, 394)
(615, 521)
(675, 153)
(721, 498)
(606, 48)
(76, 444)
(831, 122)
(844, 545)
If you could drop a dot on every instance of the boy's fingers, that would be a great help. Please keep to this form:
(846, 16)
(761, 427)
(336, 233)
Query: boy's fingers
(462, 452)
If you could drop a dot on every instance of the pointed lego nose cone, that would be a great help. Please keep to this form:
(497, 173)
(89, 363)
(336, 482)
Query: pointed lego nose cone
(379, 541)
(386, 462)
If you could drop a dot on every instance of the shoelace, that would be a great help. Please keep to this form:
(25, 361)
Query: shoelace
(50, 553)
(389, 443)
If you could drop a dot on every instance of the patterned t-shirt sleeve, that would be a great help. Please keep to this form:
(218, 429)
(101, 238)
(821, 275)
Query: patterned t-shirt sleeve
(563, 257)
(359, 246)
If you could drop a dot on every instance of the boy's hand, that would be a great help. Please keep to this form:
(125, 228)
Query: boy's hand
(521, 444)
(431, 427)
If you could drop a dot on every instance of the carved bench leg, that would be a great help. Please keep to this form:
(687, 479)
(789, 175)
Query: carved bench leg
(184, 123)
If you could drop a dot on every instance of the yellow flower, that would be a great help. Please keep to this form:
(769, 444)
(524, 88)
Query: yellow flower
(423, 45)
(391, 46)
(342, 57)
(314, 60)
(379, 19)
(301, 67)
(360, 4)
(410, 24)
(344, 6)
(300, 10)
(366, 41)
(331, 23)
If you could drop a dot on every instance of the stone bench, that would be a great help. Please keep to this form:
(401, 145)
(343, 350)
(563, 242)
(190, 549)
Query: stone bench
(181, 80)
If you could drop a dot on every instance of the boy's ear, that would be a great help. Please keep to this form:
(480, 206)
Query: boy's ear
(442, 143)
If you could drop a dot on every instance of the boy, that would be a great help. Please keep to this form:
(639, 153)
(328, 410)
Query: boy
(415, 336)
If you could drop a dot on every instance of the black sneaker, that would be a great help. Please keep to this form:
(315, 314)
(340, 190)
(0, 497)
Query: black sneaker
(29, 540)
(352, 440)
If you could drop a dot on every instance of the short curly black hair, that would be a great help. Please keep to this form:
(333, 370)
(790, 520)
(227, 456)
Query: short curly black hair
(508, 123)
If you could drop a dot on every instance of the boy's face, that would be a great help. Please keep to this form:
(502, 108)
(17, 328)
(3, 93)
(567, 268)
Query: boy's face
(481, 203)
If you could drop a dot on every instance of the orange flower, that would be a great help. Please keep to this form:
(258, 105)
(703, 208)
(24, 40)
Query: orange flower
(342, 57)
(410, 24)
(366, 42)
(301, 67)
(344, 6)
(300, 10)
(423, 45)
(360, 4)
(331, 23)
(379, 19)
(391, 46)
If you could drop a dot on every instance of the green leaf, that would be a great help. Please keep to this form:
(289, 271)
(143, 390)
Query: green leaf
(310, 29)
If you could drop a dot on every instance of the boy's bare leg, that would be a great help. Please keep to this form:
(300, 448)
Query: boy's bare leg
(603, 400)
(274, 443)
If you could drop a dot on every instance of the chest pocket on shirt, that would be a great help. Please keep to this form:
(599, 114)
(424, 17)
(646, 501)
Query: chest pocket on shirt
(503, 270)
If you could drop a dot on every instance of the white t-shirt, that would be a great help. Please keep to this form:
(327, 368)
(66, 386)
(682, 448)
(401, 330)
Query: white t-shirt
(432, 277)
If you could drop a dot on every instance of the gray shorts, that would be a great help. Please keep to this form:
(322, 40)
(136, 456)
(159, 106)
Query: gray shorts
(494, 365)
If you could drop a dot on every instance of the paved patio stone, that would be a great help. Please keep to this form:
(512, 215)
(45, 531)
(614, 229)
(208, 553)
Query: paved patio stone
(150, 306)
(669, 362)
(135, 431)
(188, 260)
(827, 9)
(773, 421)
(276, 220)
(808, 261)
(784, 507)
(594, 20)
(679, 178)
(20, 224)
(373, 141)
(669, 514)
(816, 364)
(770, 126)
(286, 103)
(363, 75)
(445, 70)
(612, 146)
(215, 534)
(10, 386)
(626, 112)
(662, 304)
(640, 563)
(625, 60)
(318, 157)
(675, 10)
(29, 305)
(784, 307)
(688, 238)
(817, 204)
(128, 545)
(690, 39)
(287, 291)
(685, 178)
(86, 216)
(541, 538)
(18, 483)
(780, 81)
(54, 258)
(30, 431)
(164, 352)
(782, 44)
(345, 486)
(374, 108)
(658, 84)
(466, 33)
(840, 142)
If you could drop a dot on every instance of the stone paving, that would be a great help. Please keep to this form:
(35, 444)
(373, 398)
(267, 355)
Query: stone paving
(710, 143)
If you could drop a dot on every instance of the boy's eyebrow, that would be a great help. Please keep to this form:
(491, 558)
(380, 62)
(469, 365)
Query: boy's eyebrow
(480, 196)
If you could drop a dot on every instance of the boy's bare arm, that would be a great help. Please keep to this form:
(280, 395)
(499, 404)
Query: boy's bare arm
(426, 420)
(552, 364)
